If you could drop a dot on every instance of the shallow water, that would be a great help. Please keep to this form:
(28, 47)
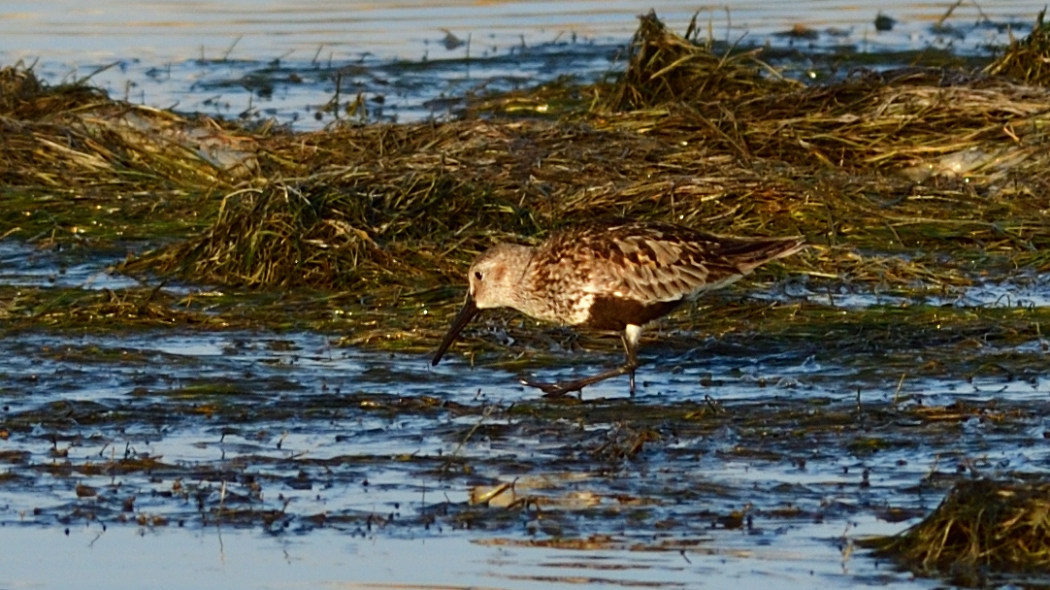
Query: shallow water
(278, 459)
(24, 265)
(222, 558)
(1022, 289)
(411, 60)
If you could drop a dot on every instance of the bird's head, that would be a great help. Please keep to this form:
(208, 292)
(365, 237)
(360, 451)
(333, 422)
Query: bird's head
(494, 280)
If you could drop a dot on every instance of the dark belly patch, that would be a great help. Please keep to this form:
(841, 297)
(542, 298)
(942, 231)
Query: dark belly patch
(614, 313)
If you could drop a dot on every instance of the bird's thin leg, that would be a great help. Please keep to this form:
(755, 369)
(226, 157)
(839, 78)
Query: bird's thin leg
(631, 336)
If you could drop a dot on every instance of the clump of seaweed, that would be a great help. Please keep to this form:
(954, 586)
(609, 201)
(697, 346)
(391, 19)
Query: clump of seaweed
(80, 165)
(899, 119)
(1026, 60)
(73, 135)
(981, 527)
(24, 97)
(665, 67)
(913, 161)
(287, 235)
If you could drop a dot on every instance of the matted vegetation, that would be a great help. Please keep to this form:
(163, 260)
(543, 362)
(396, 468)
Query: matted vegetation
(980, 528)
(918, 162)
(1027, 59)
(907, 181)
(81, 166)
(901, 177)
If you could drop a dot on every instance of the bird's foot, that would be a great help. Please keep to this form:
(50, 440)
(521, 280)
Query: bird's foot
(563, 389)
(555, 389)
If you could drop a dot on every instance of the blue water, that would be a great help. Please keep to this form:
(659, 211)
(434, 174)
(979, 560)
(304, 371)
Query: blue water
(54, 538)
(410, 59)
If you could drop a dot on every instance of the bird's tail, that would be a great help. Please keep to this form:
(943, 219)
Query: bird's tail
(747, 254)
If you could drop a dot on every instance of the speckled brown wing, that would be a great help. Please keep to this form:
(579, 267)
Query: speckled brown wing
(663, 262)
(654, 262)
(607, 276)
(644, 263)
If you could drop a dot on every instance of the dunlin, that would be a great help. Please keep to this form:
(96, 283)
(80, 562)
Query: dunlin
(610, 277)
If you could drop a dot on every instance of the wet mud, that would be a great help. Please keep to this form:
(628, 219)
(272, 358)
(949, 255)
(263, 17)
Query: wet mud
(292, 434)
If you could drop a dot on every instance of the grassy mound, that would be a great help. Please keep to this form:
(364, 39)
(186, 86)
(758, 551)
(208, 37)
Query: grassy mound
(913, 179)
(908, 167)
(981, 527)
(1027, 59)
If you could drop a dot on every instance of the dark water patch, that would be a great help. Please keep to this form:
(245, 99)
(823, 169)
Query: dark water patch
(61, 265)
(372, 90)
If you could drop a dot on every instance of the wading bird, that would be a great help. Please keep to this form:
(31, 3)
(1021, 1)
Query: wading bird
(610, 277)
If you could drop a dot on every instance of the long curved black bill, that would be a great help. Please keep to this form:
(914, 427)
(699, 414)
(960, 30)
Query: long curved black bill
(462, 319)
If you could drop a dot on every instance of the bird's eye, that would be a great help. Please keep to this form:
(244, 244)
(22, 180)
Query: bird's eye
(477, 275)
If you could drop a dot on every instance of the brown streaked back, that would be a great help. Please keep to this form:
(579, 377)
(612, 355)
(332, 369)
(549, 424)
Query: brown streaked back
(648, 262)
